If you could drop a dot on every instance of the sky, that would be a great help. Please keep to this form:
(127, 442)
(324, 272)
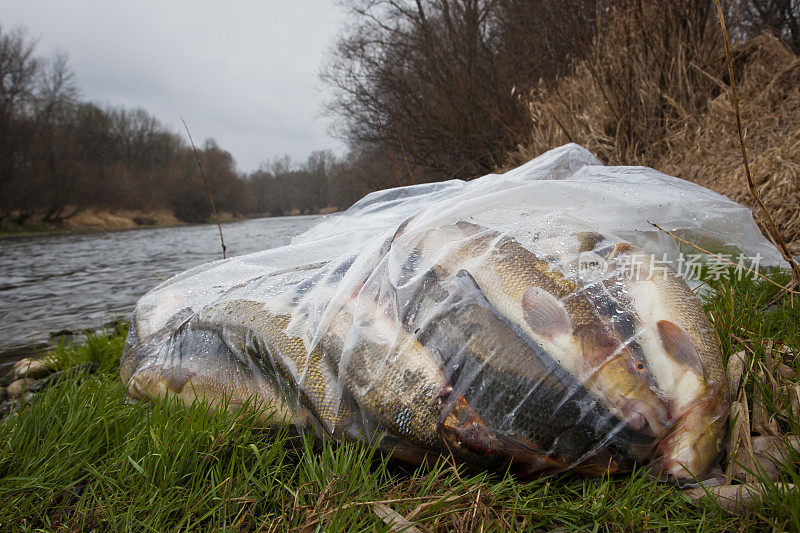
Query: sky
(242, 72)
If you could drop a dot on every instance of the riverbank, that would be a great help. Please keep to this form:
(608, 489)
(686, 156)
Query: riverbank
(91, 220)
(79, 457)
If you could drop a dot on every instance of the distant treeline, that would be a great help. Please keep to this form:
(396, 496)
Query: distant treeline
(59, 154)
(424, 90)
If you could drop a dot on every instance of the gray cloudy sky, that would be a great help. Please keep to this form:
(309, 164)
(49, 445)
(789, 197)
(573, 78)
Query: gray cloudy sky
(242, 72)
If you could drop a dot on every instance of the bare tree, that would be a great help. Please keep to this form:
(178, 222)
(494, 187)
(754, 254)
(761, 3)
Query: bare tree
(319, 166)
(56, 96)
(428, 71)
(449, 77)
(781, 17)
(19, 69)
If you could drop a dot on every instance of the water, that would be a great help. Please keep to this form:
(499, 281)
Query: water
(51, 283)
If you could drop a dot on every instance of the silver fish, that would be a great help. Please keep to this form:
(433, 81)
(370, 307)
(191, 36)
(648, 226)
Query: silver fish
(683, 351)
(550, 309)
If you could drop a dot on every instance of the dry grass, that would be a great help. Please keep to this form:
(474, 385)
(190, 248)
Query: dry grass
(100, 219)
(697, 139)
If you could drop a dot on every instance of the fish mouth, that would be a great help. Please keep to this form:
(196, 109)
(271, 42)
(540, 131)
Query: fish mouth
(690, 449)
(644, 418)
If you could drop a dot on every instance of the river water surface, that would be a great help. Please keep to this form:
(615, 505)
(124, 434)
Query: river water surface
(51, 283)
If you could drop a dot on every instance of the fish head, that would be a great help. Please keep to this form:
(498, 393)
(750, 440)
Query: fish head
(695, 441)
(699, 406)
(624, 380)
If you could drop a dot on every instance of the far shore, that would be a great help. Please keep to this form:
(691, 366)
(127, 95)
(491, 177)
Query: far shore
(93, 220)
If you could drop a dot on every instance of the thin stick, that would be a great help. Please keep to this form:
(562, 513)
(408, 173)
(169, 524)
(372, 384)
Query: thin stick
(399, 138)
(760, 275)
(386, 139)
(208, 189)
(788, 288)
(766, 216)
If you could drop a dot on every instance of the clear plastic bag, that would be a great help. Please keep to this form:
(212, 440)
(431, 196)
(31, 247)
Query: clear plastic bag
(533, 320)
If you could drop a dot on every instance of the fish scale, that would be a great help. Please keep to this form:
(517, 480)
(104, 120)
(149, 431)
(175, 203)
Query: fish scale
(199, 364)
(512, 383)
(583, 347)
(405, 392)
(398, 383)
(673, 328)
(308, 373)
(513, 259)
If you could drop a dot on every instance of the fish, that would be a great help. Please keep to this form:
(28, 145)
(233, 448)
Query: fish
(455, 340)
(550, 309)
(528, 400)
(186, 363)
(684, 353)
(383, 381)
(400, 383)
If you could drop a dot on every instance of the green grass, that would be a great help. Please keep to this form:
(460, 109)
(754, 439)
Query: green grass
(82, 458)
(29, 230)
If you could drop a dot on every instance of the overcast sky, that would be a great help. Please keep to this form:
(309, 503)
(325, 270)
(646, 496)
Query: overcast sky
(242, 72)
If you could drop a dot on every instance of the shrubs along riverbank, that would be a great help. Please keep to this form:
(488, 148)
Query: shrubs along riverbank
(77, 455)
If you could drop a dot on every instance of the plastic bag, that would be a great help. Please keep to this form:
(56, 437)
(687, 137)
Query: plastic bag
(529, 320)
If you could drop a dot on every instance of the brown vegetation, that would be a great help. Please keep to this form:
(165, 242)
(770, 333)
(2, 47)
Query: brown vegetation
(698, 144)
(95, 219)
(474, 85)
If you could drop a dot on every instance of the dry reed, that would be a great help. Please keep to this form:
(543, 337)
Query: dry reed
(687, 129)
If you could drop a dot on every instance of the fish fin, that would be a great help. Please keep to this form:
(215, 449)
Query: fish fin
(401, 228)
(588, 240)
(621, 248)
(415, 293)
(679, 346)
(603, 345)
(156, 381)
(176, 378)
(470, 227)
(618, 249)
(468, 279)
(544, 313)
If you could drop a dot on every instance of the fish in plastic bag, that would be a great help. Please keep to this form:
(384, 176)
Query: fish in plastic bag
(500, 321)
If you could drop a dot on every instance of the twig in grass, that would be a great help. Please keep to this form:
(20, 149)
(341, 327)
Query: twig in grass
(727, 261)
(415, 512)
(296, 495)
(766, 216)
(318, 518)
(697, 289)
(452, 461)
(475, 505)
(789, 287)
(208, 189)
(393, 519)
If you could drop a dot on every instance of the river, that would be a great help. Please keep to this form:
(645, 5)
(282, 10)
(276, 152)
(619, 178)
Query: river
(51, 283)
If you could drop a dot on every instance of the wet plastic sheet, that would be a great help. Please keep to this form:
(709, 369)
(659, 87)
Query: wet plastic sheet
(534, 318)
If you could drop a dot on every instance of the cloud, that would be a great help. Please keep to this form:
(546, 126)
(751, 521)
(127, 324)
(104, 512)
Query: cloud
(244, 73)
